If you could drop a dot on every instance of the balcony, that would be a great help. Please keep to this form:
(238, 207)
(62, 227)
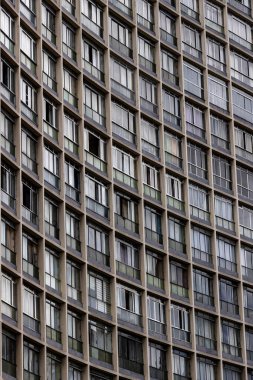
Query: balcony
(155, 281)
(129, 317)
(92, 26)
(93, 70)
(151, 192)
(73, 243)
(75, 344)
(31, 323)
(101, 355)
(122, 90)
(240, 6)
(98, 256)
(123, 133)
(189, 12)
(124, 178)
(147, 64)
(122, 7)
(127, 270)
(50, 130)
(204, 299)
(127, 224)
(53, 334)
(29, 215)
(175, 203)
(146, 23)
(94, 115)
(97, 207)
(120, 47)
(167, 37)
(179, 290)
(156, 327)
(153, 236)
(198, 213)
(30, 268)
(171, 119)
(148, 106)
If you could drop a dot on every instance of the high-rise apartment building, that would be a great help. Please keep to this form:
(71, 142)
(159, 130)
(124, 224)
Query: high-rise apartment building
(126, 189)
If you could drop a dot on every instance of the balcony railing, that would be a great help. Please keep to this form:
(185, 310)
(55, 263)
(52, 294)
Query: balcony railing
(124, 133)
(168, 37)
(8, 94)
(7, 145)
(51, 230)
(28, 62)
(151, 192)
(207, 343)
(9, 368)
(72, 192)
(8, 254)
(227, 264)
(97, 207)
(148, 24)
(125, 178)
(247, 272)
(101, 355)
(191, 50)
(198, 213)
(201, 255)
(120, 47)
(170, 77)
(189, 12)
(205, 299)
(177, 246)
(149, 106)
(126, 223)
(8, 199)
(242, 77)
(30, 268)
(75, 344)
(71, 145)
(175, 203)
(147, 63)
(49, 34)
(98, 256)
(30, 215)
(241, 41)
(231, 350)
(29, 163)
(155, 281)
(229, 307)
(225, 223)
(49, 81)
(9, 310)
(213, 25)
(28, 13)
(29, 113)
(179, 290)
(73, 243)
(150, 148)
(99, 305)
(53, 334)
(69, 51)
(74, 293)
(122, 7)
(181, 334)
(52, 281)
(248, 313)
(220, 142)
(28, 375)
(94, 28)
(170, 118)
(158, 374)
(172, 159)
(69, 7)
(94, 115)
(240, 6)
(127, 270)
(153, 236)
(31, 323)
(7, 42)
(70, 98)
(122, 90)
(156, 327)
(197, 171)
(93, 70)
(50, 130)
(129, 316)
(218, 65)
(131, 365)
(52, 178)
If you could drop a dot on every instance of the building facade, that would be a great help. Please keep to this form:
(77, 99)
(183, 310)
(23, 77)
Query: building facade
(126, 189)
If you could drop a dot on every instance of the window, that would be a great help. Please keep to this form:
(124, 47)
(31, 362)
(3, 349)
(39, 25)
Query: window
(191, 40)
(155, 271)
(9, 345)
(73, 231)
(171, 109)
(206, 369)
(28, 101)
(28, 9)
(122, 79)
(153, 226)
(145, 14)
(53, 322)
(148, 95)
(216, 55)
(94, 106)
(218, 92)
(151, 181)
(120, 38)
(180, 322)
(93, 60)
(150, 138)
(246, 221)
(92, 17)
(99, 293)
(8, 186)
(222, 173)
(175, 192)
(7, 133)
(220, 132)
(31, 309)
(169, 68)
(51, 215)
(230, 339)
(146, 54)
(100, 340)
(53, 366)
(224, 213)
(9, 296)
(129, 305)
(72, 181)
(73, 272)
(8, 241)
(31, 361)
(130, 352)
(242, 104)
(205, 331)
(124, 167)
(178, 279)
(249, 343)
(193, 80)
(51, 166)
(247, 261)
(49, 70)
(248, 302)
(199, 202)
(173, 150)
(239, 31)
(176, 231)
(50, 119)
(71, 137)
(195, 120)
(48, 23)
(96, 197)
(126, 7)
(241, 68)
(123, 122)
(7, 31)
(70, 6)
(244, 144)
(28, 51)
(226, 254)
(244, 182)
(68, 41)
(30, 203)
(8, 81)
(95, 147)
(197, 161)
(228, 297)
(181, 364)
(213, 17)
(29, 150)
(201, 245)
(190, 8)
(30, 251)
(203, 287)
(127, 257)
(70, 88)
(157, 361)
(156, 315)
(231, 372)
(74, 372)
(52, 269)
(98, 245)
(74, 322)
(168, 28)
(126, 213)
